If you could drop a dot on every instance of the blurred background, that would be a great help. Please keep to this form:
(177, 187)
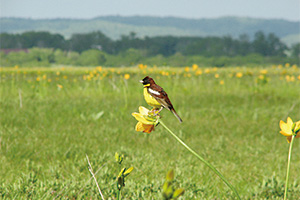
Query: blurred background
(132, 32)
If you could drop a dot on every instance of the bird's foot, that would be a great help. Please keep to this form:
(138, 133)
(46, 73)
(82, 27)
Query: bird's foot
(156, 112)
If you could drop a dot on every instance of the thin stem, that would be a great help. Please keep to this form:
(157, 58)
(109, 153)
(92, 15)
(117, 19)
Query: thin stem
(91, 171)
(201, 159)
(119, 195)
(288, 167)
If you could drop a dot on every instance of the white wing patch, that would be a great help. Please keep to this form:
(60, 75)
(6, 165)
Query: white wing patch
(153, 91)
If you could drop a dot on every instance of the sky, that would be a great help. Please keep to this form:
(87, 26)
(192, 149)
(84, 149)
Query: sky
(86, 9)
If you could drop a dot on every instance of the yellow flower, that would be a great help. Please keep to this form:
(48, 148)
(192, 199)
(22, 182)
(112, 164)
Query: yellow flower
(264, 71)
(239, 75)
(289, 129)
(59, 86)
(146, 120)
(221, 82)
(198, 72)
(99, 68)
(141, 66)
(261, 77)
(126, 76)
(217, 75)
(195, 67)
(294, 66)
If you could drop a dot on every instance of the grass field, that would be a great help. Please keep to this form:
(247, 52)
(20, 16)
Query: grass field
(51, 118)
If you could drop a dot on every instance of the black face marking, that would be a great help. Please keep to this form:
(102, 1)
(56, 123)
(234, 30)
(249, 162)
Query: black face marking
(146, 80)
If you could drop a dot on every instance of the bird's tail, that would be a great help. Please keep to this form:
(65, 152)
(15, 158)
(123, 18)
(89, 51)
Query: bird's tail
(176, 115)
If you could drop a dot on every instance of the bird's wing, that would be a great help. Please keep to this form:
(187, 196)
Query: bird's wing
(161, 96)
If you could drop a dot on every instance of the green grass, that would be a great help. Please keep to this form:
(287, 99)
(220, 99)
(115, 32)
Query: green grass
(235, 127)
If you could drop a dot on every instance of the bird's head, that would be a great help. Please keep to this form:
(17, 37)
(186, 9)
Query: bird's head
(147, 81)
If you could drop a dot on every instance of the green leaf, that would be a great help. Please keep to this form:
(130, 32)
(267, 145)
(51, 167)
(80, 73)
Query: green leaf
(117, 157)
(122, 172)
(128, 171)
(178, 193)
(170, 175)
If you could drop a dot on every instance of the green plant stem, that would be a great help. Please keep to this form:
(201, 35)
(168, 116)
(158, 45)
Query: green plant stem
(119, 195)
(288, 167)
(201, 159)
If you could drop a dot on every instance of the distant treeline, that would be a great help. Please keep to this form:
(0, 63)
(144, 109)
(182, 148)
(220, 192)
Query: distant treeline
(163, 50)
(266, 45)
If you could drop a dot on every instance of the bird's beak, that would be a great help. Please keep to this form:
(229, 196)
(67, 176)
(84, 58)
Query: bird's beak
(141, 81)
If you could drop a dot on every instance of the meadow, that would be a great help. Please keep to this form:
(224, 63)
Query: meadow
(52, 117)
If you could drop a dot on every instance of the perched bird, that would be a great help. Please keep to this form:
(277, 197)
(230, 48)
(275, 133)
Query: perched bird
(156, 97)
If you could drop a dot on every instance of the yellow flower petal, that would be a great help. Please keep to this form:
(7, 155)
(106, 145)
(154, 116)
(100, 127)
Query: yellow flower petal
(285, 134)
(139, 126)
(143, 110)
(144, 127)
(148, 128)
(286, 128)
(141, 118)
(289, 122)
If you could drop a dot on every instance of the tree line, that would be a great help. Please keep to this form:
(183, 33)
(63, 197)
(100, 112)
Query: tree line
(265, 45)
(93, 49)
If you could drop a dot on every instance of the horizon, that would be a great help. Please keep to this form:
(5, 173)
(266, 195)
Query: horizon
(150, 16)
(193, 9)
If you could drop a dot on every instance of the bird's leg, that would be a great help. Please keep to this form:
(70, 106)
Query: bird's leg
(156, 113)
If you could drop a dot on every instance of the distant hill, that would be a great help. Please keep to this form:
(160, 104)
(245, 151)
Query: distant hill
(115, 26)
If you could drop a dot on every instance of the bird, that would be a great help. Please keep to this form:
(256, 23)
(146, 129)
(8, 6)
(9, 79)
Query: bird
(156, 97)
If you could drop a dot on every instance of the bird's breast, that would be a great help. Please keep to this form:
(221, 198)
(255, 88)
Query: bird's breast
(150, 99)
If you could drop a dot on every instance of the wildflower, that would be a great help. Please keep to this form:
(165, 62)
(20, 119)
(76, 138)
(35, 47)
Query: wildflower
(217, 75)
(59, 87)
(195, 67)
(289, 129)
(264, 71)
(146, 120)
(38, 78)
(294, 66)
(221, 82)
(186, 69)
(169, 191)
(141, 66)
(119, 158)
(289, 78)
(198, 72)
(126, 76)
(121, 177)
(99, 68)
(239, 75)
